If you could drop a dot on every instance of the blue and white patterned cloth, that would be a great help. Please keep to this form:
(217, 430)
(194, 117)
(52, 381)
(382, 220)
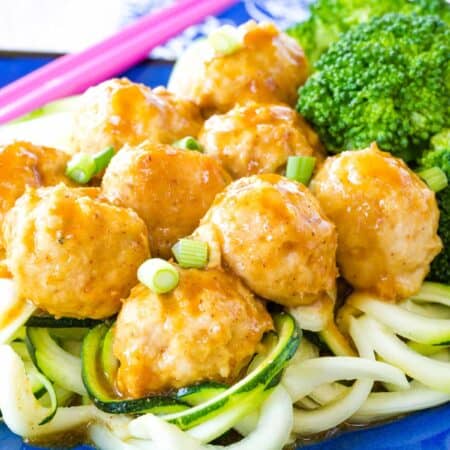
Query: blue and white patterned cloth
(60, 26)
(282, 12)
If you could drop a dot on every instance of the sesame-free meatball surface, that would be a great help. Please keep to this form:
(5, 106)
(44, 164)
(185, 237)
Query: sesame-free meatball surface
(386, 218)
(274, 235)
(258, 138)
(207, 328)
(118, 112)
(269, 67)
(24, 164)
(169, 188)
(72, 254)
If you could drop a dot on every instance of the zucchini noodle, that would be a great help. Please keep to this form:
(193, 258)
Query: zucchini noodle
(383, 405)
(333, 414)
(303, 378)
(405, 323)
(16, 310)
(24, 414)
(432, 373)
(328, 393)
(434, 311)
(433, 293)
(61, 366)
(310, 398)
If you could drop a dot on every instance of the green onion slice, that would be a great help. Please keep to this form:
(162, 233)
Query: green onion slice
(300, 168)
(102, 159)
(158, 275)
(191, 254)
(188, 143)
(226, 40)
(81, 168)
(435, 178)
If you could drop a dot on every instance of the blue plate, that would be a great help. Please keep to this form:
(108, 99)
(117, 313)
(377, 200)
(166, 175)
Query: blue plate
(426, 430)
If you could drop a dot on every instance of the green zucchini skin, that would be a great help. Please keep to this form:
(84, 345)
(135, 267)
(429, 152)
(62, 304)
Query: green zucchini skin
(63, 322)
(200, 392)
(209, 399)
(273, 363)
(108, 361)
(102, 397)
(53, 361)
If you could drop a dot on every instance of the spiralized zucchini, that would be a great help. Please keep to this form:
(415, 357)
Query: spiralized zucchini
(12, 306)
(383, 405)
(271, 433)
(310, 398)
(336, 412)
(432, 373)
(24, 414)
(408, 324)
(300, 380)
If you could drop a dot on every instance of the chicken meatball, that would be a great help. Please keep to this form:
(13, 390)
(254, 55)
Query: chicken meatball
(207, 328)
(268, 66)
(24, 164)
(386, 218)
(169, 188)
(72, 254)
(273, 234)
(119, 112)
(258, 138)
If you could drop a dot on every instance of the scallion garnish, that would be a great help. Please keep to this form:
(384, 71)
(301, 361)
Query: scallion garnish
(226, 40)
(435, 178)
(190, 253)
(300, 168)
(102, 159)
(158, 275)
(82, 167)
(188, 143)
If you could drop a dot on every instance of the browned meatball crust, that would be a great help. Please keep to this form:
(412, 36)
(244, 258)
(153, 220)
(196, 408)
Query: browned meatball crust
(119, 112)
(70, 253)
(386, 217)
(273, 234)
(23, 164)
(269, 67)
(207, 328)
(258, 138)
(169, 188)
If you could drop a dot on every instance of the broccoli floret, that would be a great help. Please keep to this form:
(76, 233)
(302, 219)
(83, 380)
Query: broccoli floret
(330, 18)
(440, 141)
(439, 156)
(387, 81)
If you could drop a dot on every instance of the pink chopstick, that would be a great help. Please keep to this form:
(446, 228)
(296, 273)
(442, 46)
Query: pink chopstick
(72, 74)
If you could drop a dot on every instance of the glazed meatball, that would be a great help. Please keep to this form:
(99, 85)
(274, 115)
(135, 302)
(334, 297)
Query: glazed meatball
(72, 254)
(386, 219)
(269, 67)
(169, 188)
(119, 112)
(207, 328)
(23, 164)
(258, 138)
(273, 234)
